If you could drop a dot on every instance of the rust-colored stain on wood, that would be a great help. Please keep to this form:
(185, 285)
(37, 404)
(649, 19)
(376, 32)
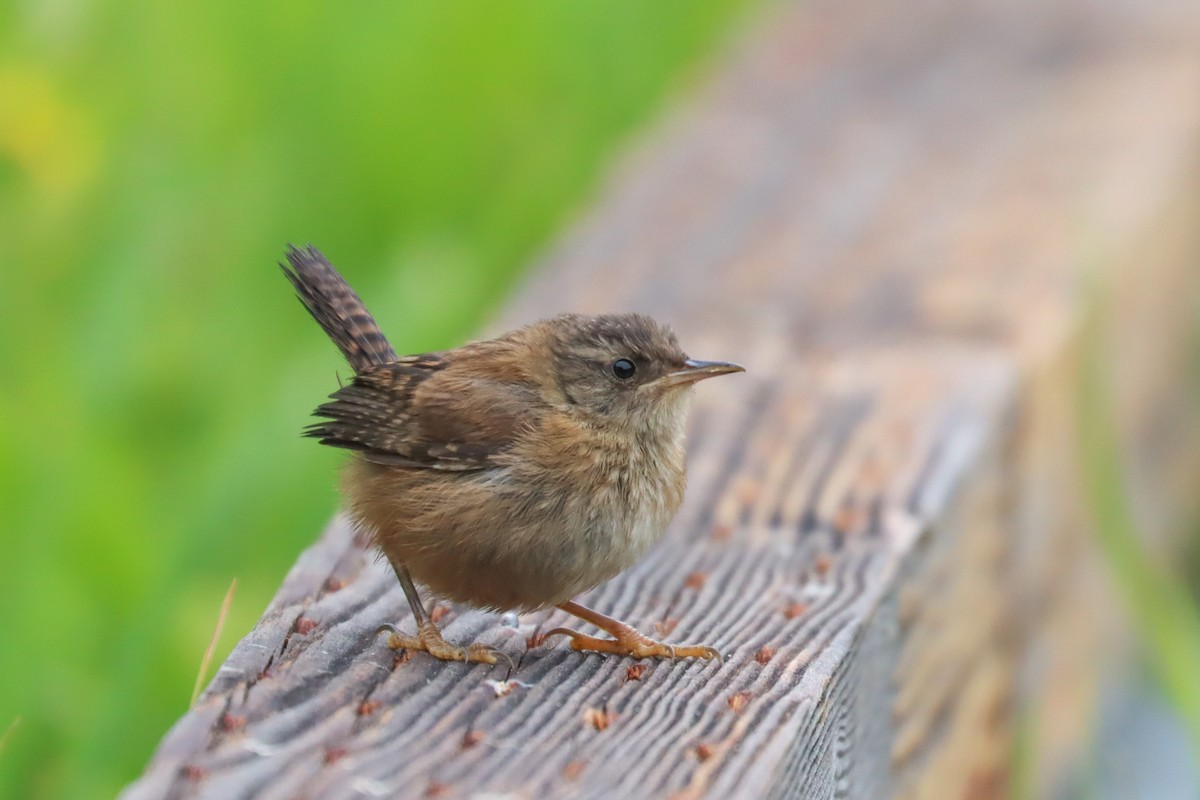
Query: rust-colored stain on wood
(793, 610)
(635, 672)
(738, 701)
(666, 627)
(599, 718)
(193, 773)
(233, 722)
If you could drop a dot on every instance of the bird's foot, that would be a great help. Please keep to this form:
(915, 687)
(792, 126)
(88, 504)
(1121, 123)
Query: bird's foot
(628, 642)
(429, 639)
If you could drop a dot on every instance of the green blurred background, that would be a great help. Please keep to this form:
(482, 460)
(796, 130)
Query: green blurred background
(155, 158)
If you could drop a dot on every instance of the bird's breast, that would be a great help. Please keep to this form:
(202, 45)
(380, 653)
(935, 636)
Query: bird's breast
(608, 495)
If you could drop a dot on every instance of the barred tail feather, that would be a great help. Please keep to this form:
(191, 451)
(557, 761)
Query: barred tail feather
(337, 309)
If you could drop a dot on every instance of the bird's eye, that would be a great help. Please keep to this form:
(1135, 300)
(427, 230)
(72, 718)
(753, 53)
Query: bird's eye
(623, 368)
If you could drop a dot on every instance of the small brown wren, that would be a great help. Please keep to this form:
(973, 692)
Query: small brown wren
(513, 473)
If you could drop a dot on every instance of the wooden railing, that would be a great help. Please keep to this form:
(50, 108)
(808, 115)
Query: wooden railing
(902, 218)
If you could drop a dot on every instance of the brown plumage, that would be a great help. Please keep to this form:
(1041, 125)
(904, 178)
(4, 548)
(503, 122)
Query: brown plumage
(512, 473)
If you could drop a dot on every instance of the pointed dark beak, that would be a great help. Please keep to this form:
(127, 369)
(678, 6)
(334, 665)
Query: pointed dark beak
(694, 370)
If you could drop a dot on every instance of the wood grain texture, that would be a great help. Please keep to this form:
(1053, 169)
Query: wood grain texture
(885, 211)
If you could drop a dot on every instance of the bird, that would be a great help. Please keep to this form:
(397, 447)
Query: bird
(513, 473)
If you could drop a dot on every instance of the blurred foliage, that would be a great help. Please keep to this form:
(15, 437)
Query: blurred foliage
(154, 160)
(1162, 606)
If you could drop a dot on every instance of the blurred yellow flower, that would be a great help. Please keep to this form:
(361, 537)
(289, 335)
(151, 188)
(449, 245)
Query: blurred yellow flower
(51, 140)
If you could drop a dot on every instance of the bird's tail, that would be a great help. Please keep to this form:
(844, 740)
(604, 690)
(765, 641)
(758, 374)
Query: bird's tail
(337, 309)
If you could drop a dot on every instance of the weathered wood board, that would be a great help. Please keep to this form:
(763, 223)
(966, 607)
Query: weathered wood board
(889, 213)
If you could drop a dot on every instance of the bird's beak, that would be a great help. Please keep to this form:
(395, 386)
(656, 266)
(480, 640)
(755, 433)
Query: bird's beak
(693, 370)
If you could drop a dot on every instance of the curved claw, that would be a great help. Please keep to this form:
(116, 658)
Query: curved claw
(480, 650)
(629, 642)
(429, 640)
(562, 632)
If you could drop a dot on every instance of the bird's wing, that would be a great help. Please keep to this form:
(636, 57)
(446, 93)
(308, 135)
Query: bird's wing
(420, 412)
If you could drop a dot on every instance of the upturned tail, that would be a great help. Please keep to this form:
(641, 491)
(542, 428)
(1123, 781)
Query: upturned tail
(337, 309)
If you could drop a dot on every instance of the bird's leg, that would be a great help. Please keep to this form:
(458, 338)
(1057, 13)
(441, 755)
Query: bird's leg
(429, 638)
(626, 641)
